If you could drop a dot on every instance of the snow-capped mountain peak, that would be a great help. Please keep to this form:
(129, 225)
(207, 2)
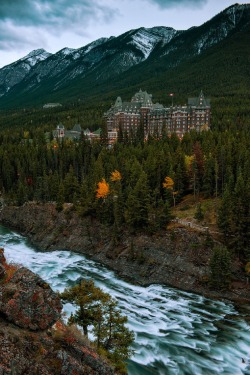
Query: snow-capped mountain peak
(35, 56)
(67, 51)
(106, 58)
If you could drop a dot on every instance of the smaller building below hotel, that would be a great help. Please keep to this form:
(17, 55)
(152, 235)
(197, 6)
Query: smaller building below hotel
(75, 134)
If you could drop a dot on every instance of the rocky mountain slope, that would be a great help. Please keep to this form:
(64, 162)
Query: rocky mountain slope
(14, 73)
(88, 71)
(33, 340)
(178, 257)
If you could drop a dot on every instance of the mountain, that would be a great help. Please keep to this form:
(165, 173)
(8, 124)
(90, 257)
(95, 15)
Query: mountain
(142, 57)
(12, 74)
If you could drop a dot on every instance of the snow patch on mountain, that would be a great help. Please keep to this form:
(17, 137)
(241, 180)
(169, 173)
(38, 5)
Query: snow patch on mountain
(165, 34)
(67, 51)
(36, 56)
(143, 43)
(146, 39)
(235, 12)
(71, 52)
(86, 49)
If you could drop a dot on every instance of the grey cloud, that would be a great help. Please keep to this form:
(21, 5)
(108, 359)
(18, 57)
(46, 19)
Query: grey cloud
(56, 16)
(178, 3)
(54, 13)
(12, 40)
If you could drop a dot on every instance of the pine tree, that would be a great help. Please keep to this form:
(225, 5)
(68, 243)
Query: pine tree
(208, 184)
(71, 185)
(220, 268)
(225, 215)
(21, 193)
(198, 168)
(87, 298)
(159, 215)
(241, 216)
(60, 198)
(112, 334)
(199, 215)
(97, 309)
(138, 203)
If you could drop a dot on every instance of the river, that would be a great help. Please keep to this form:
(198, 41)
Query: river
(176, 332)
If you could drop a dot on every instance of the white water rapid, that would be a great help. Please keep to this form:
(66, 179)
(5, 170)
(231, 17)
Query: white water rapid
(176, 332)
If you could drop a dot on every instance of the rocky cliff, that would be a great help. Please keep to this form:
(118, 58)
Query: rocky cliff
(178, 256)
(32, 338)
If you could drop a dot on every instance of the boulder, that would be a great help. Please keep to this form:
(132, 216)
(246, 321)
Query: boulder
(28, 301)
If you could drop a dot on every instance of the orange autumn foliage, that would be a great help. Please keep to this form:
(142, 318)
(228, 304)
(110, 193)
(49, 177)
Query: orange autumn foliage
(168, 183)
(102, 190)
(115, 176)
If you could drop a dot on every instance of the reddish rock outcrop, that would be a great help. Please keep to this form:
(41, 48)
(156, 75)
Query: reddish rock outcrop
(39, 347)
(29, 302)
(46, 353)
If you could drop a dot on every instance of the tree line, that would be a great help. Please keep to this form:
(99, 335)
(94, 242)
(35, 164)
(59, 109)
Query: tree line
(213, 163)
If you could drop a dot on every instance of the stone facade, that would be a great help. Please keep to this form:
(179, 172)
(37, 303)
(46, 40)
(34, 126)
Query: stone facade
(127, 116)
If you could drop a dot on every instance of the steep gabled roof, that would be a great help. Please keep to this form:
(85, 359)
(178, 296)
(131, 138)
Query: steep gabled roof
(77, 128)
(143, 98)
(200, 101)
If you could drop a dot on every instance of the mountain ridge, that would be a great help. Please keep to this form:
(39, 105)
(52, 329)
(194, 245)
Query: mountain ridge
(72, 73)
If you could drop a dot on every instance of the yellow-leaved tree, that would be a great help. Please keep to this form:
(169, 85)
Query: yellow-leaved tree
(169, 185)
(115, 176)
(102, 190)
(188, 162)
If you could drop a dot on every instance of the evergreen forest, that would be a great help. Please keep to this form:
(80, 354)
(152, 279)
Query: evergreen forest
(134, 184)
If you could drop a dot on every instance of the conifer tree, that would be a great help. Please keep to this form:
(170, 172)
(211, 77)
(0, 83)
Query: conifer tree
(199, 215)
(225, 215)
(241, 215)
(95, 308)
(208, 183)
(138, 203)
(71, 185)
(220, 268)
(60, 198)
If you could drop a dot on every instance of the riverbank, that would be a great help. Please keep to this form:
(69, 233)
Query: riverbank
(178, 257)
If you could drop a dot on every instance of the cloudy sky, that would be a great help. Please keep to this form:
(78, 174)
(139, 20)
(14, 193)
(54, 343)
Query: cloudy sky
(26, 25)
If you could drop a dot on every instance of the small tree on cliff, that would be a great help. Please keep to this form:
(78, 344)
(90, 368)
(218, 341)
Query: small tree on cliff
(98, 310)
(88, 300)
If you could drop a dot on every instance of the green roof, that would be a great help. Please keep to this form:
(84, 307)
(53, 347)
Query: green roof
(98, 131)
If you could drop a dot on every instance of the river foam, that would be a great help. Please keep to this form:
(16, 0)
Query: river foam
(176, 332)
